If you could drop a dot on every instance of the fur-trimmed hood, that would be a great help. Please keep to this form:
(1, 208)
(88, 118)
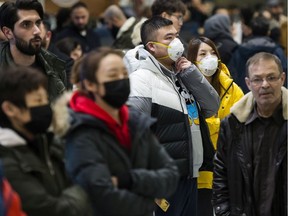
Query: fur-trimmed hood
(244, 106)
(61, 118)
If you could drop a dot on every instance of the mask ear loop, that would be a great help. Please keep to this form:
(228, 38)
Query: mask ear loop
(161, 44)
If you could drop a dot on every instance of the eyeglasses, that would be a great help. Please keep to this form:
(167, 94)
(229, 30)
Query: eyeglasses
(180, 18)
(269, 79)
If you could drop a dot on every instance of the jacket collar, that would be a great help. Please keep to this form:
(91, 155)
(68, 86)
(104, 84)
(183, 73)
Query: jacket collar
(125, 27)
(9, 138)
(245, 105)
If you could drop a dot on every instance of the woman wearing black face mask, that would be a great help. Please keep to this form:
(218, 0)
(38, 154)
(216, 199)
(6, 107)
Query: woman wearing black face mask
(32, 161)
(110, 151)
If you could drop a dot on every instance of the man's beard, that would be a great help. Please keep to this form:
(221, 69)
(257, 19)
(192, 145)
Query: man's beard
(80, 27)
(28, 48)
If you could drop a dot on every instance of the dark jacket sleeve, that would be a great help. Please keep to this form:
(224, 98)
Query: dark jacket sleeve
(160, 181)
(201, 89)
(220, 197)
(37, 201)
(90, 170)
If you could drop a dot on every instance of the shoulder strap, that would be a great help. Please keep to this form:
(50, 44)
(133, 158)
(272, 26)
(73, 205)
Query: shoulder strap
(208, 148)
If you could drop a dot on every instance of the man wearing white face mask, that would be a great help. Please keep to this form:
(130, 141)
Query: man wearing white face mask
(170, 88)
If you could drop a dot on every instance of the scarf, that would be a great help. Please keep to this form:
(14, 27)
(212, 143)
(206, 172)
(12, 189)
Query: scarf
(83, 104)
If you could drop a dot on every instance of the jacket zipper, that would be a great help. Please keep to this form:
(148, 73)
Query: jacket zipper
(46, 155)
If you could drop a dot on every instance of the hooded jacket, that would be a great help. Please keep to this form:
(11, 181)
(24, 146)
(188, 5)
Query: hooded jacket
(230, 93)
(54, 69)
(218, 29)
(36, 172)
(232, 183)
(94, 155)
(155, 93)
(237, 64)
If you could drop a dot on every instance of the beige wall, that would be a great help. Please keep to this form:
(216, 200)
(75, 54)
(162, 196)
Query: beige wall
(95, 6)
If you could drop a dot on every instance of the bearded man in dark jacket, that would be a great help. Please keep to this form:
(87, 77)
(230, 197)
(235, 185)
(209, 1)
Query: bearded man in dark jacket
(20, 22)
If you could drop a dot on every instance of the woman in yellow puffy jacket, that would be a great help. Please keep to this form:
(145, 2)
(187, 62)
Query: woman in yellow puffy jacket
(204, 54)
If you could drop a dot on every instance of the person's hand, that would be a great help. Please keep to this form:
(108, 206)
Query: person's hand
(114, 181)
(182, 63)
(157, 201)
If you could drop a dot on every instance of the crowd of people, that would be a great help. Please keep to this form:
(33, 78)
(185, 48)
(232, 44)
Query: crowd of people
(174, 108)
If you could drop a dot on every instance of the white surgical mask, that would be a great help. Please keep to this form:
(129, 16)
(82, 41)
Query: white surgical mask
(208, 65)
(175, 49)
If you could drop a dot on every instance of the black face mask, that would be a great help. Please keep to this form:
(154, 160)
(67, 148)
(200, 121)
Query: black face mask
(41, 118)
(117, 92)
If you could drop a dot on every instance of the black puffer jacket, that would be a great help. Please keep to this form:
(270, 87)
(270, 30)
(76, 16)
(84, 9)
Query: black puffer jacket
(94, 155)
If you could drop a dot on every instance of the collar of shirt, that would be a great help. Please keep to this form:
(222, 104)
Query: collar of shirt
(276, 116)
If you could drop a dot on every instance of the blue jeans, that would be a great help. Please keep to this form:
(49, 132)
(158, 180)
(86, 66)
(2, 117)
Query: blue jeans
(184, 201)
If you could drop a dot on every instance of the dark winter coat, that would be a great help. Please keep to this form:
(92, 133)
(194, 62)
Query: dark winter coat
(94, 155)
(36, 172)
(233, 181)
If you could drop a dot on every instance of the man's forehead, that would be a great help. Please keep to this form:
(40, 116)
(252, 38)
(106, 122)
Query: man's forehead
(80, 10)
(167, 31)
(30, 15)
(262, 66)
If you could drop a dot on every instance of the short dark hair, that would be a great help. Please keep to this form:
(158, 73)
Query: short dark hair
(263, 56)
(150, 26)
(67, 45)
(78, 5)
(9, 15)
(168, 6)
(15, 83)
(260, 26)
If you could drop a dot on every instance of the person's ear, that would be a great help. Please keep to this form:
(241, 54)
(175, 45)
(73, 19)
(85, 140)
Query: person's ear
(165, 15)
(90, 86)
(283, 77)
(48, 36)
(7, 32)
(151, 47)
(248, 83)
(9, 109)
